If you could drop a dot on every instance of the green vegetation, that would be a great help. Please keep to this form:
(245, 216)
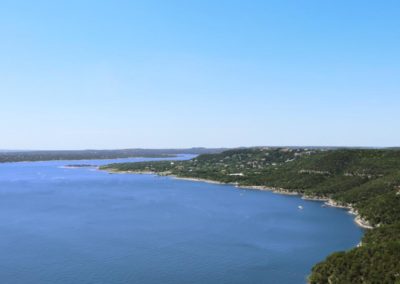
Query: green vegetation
(376, 261)
(367, 180)
(366, 264)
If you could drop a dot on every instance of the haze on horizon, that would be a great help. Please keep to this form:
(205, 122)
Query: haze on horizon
(179, 74)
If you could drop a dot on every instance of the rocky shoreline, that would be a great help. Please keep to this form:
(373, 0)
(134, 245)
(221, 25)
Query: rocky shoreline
(327, 201)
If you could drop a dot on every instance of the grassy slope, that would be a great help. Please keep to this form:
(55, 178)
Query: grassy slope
(368, 180)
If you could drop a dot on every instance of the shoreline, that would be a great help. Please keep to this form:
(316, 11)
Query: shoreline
(327, 201)
(111, 172)
(358, 220)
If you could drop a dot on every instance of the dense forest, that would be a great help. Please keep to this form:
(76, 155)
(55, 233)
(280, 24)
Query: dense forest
(19, 156)
(366, 180)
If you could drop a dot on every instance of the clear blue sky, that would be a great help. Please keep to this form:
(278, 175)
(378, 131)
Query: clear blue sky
(81, 74)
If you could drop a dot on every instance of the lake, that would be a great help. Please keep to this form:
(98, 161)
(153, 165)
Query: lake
(60, 225)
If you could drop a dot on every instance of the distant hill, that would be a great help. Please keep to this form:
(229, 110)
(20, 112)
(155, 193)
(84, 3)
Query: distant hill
(18, 156)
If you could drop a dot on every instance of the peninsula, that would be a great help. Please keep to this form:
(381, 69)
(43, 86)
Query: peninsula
(366, 181)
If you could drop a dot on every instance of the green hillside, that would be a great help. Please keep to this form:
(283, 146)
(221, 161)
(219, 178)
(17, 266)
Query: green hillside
(367, 180)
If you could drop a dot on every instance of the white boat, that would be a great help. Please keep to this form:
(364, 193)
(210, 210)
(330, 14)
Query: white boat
(300, 207)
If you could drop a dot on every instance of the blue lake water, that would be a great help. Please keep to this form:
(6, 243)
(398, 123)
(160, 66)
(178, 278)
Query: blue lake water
(60, 226)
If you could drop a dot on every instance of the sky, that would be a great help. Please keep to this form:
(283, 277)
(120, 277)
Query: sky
(85, 74)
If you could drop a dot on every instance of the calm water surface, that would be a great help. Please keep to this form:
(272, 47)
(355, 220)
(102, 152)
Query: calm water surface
(62, 226)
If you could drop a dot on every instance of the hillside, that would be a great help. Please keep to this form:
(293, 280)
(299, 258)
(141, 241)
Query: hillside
(366, 180)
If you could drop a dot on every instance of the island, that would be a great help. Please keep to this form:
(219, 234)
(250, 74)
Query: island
(365, 181)
(78, 166)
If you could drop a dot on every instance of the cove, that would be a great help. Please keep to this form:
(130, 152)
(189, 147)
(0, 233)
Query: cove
(80, 225)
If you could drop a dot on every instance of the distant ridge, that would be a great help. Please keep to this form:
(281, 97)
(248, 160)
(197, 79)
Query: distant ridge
(46, 155)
